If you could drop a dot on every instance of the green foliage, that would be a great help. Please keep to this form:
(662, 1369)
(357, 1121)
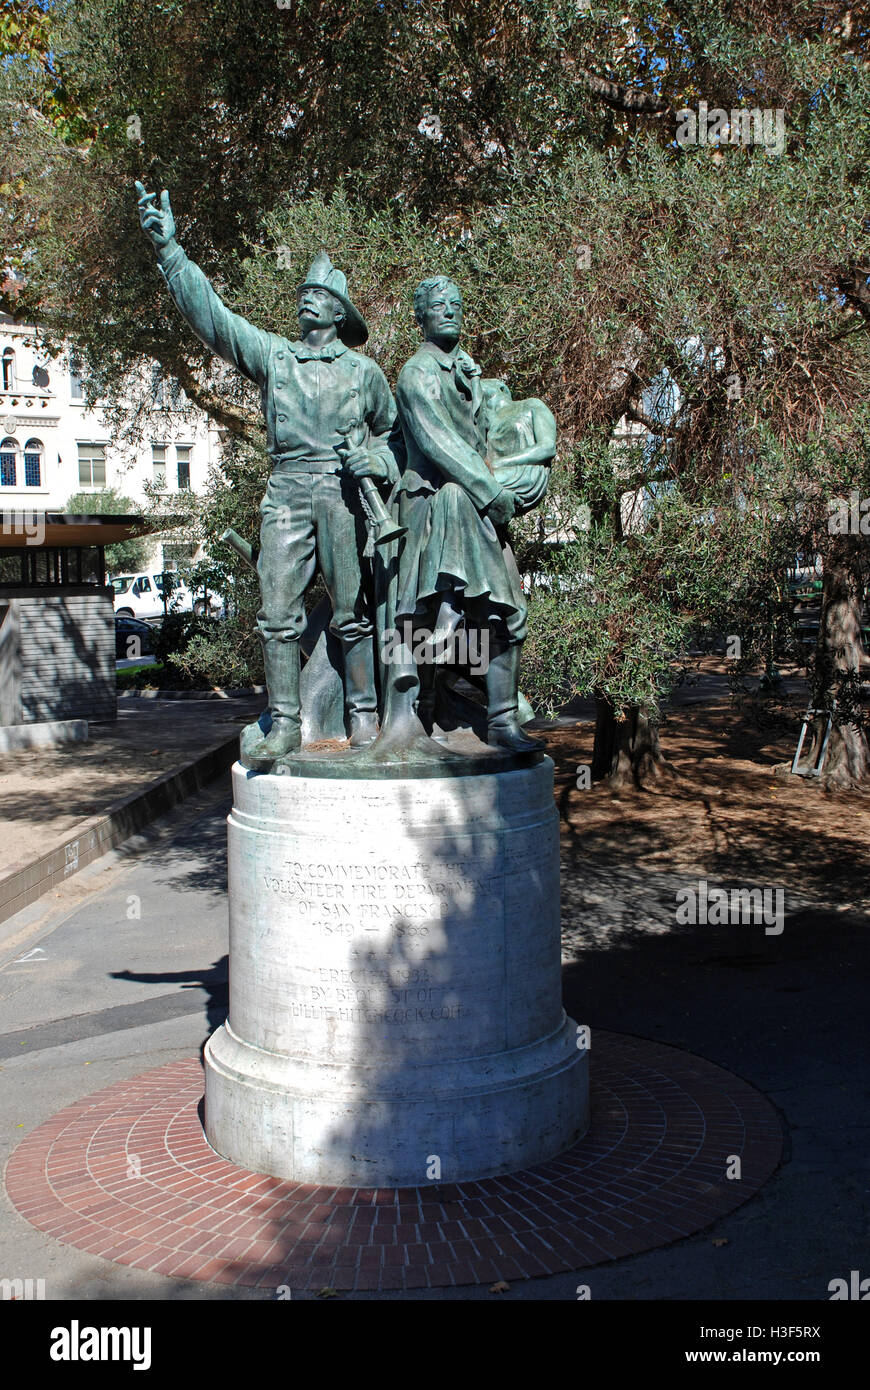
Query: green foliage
(595, 255)
(139, 677)
(25, 30)
(227, 652)
(125, 557)
(593, 633)
(195, 651)
(229, 655)
(175, 632)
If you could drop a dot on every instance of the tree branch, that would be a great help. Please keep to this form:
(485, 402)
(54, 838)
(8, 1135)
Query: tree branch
(655, 427)
(851, 281)
(237, 420)
(622, 98)
(32, 113)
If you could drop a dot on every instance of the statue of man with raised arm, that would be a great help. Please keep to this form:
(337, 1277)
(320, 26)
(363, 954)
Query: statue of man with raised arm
(329, 414)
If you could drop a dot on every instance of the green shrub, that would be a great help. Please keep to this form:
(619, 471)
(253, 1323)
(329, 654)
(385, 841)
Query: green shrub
(139, 677)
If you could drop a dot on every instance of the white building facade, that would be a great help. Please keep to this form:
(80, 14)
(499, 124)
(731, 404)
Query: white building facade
(53, 446)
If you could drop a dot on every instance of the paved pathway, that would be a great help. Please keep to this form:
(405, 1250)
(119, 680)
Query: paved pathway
(126, 970)
(46, 792)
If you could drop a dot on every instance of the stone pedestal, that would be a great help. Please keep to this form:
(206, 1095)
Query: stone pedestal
(395, 1000)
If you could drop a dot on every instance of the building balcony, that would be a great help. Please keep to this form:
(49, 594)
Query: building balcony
(28, 406)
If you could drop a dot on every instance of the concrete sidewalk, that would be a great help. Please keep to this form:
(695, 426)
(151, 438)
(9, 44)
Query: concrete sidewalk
(65, 806)
(126, 970)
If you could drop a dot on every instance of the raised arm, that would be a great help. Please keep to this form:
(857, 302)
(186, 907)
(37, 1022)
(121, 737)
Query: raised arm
(226, 333)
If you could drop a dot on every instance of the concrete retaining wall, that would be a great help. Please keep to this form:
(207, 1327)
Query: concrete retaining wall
(57, 656)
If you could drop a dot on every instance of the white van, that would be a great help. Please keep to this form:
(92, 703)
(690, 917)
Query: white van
(141, 595)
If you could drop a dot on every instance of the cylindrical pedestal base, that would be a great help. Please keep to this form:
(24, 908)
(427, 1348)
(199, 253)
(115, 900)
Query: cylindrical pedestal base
(395, 1002)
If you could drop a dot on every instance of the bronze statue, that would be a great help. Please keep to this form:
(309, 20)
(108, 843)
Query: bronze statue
(405, 517)
(329, 415)
(520, 443)
(456, 564)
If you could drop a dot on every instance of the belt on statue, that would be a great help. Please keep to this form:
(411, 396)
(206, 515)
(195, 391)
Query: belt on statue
(286, 463)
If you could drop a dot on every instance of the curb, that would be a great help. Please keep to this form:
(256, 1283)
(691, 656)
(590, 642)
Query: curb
(24, 883)
(214, 693)
(46, 733)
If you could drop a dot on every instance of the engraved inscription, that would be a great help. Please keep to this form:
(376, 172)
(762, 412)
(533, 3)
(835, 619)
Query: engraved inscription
(416, 1014)
(349, 900)
(341, 899)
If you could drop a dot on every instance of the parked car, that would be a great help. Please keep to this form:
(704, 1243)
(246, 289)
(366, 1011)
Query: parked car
(133, 638)
(141, 595)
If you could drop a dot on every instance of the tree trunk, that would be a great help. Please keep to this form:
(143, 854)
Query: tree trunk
(846, 759)
(837, 675)
(626, 752)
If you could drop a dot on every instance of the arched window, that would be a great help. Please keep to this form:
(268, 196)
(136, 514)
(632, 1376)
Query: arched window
(33, 463)
(8, 369)
(8, 463)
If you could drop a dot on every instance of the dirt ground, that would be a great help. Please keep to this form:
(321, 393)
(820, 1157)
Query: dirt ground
(721, 814)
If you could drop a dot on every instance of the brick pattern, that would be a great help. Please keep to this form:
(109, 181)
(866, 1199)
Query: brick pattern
(128, 1175)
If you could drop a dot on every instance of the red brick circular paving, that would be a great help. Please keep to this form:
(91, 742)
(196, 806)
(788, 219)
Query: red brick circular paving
(128, 1175)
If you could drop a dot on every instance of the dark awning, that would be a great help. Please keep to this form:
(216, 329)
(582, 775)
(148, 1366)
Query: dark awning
(21, 527)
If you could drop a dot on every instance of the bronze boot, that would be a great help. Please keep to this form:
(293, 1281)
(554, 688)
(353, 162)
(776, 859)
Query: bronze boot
(503, 729)
(360, 696)
(259, 751)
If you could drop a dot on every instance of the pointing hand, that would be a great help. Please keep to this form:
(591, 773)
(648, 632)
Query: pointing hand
(157, 222)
